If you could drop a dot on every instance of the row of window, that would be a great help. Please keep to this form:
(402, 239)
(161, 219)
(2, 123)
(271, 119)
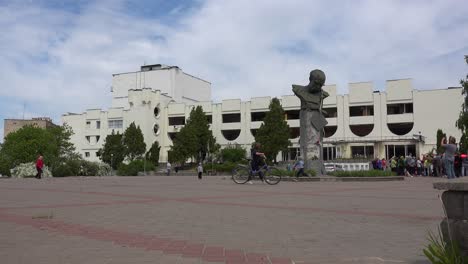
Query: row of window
(118, 123)
(331, 112)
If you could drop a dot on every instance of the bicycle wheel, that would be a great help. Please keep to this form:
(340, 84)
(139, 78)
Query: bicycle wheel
(272, 175)
(240, 174)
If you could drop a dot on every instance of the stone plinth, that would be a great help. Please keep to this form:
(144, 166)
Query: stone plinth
(455, 200)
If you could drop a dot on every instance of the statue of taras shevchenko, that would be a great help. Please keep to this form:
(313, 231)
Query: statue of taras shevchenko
(312, 120)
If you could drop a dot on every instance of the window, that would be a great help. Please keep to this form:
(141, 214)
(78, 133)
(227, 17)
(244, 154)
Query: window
(253, 132)
(209, 118)
(361, 130)
(98, 124)
(330, 131)
(172, 135)
(156, 129)
(115, 123)
(329, 153)
(156, 111)
(88, 138)
(331, 112)
(87, 154)
(231, 118)
(88, 124)
(399, 150)
(294, 132)
(98, 154)
(400, 128)
(257, 116)
(363, 110)
(292, 114)
(97, 138)
(231, 134)
(398, 109)
(177, 121)
(362, 151)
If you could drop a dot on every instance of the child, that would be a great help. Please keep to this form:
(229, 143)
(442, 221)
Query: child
(200, 170)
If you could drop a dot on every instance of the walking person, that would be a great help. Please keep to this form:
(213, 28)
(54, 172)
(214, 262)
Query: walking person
(39, 166)
(450, 150)
(168, 168)
(200, 170)
(299, 167)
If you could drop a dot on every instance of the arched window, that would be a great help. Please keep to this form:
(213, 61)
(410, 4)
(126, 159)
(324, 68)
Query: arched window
(231, 134)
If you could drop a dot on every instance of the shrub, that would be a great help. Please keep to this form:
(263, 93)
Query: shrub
(225, 167)
(134, 167)
(25, 170)
(233, 153)
(440, 252)
(363, 173)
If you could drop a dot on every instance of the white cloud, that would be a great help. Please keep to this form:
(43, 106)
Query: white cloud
(61, 62)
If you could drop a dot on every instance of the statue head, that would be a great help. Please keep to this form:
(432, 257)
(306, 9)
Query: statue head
(317, 78)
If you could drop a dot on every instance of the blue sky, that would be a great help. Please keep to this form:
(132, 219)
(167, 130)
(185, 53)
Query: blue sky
(59, 56)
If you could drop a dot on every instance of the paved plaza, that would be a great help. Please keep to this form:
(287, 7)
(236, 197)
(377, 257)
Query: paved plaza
(125, 220)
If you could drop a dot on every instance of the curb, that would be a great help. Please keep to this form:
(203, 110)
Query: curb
(344, 179)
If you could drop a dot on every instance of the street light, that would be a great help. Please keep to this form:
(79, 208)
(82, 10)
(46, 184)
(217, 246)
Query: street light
(112, 159)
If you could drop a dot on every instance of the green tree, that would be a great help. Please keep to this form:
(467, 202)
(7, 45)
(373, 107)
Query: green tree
(153, 154)
(113, 152)
(462, 122)
(25, 144)
(194, 139)
(439, 136)
(233, 153)
(274, 133)
(133, 142)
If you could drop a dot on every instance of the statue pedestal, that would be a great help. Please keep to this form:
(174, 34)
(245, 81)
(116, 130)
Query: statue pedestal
(455, 200)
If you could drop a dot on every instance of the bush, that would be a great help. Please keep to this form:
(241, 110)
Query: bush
(25, 170)
(440, 252)
(292, 173)
(233, 153)
(134, 167)
(90, 168)
(225, 167)
(363, 173)
(67, 168)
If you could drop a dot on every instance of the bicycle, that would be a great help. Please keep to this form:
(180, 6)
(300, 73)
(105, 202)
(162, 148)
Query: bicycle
(243, 173)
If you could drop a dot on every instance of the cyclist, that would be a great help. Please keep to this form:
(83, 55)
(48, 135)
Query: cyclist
(257, 160)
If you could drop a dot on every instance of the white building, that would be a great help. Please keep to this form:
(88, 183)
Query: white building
(363, 123)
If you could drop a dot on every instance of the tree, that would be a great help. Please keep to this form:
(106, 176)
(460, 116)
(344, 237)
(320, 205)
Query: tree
(274, 133)
(440, 135)
(194, 139)
(113, 152)
(27, 143)
(153, 153)
(462, 122)
(133, 142)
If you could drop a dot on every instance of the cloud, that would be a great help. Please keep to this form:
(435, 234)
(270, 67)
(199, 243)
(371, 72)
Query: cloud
(60, 59)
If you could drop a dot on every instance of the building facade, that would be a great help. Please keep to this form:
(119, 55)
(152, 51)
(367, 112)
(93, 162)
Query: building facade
(362, 124)
(12, 125)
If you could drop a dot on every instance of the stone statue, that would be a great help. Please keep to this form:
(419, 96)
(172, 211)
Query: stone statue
(312, 120)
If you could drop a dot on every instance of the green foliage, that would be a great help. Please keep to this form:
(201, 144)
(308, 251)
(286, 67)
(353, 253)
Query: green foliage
(25, 170)
(113, 152)
(440, 252)
(274, 133)
(362, 173)
(440, 135)
(224, 167)
(194, 139)
(24, 146)
(233, 153)
(133, 142)
(134, 167)
(462, 122)
(153, 154)
(463, 143)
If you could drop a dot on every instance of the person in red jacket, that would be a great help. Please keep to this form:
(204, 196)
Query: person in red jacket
(39, 165)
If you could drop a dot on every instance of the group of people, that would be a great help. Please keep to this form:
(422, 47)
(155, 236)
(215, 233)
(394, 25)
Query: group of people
(447, 164)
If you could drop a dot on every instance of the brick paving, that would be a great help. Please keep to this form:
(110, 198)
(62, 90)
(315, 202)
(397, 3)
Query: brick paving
(183, 220)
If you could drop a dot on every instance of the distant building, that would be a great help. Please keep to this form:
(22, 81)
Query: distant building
(362, 124)
(12, 125)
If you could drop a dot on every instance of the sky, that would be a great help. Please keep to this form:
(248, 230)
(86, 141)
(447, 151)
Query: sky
(59, 56)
